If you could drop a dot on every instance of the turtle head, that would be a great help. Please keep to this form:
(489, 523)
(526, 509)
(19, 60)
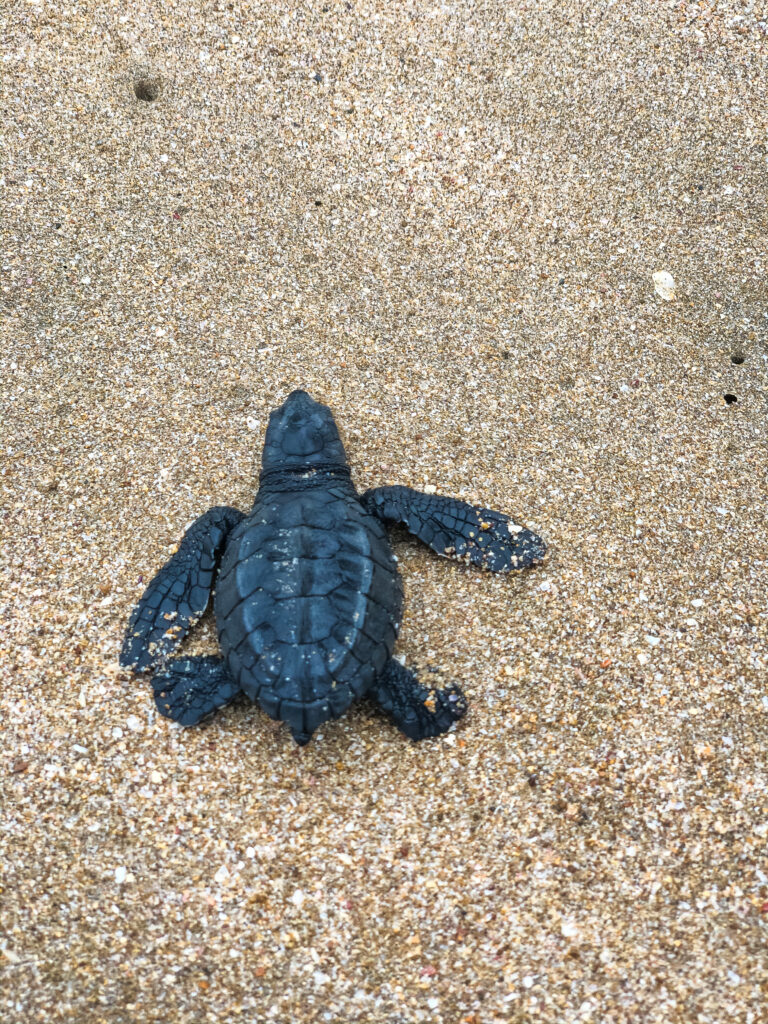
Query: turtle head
(302, 434)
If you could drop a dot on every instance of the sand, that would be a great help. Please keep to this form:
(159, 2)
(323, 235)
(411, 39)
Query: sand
(444, 221)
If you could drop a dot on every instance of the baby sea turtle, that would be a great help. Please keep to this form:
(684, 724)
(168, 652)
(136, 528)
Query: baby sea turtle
(307, 597)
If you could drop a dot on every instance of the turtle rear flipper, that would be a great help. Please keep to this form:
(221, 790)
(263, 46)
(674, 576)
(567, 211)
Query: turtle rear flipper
(190, 689)
(179, 594)
(456, 529)
(418, 711)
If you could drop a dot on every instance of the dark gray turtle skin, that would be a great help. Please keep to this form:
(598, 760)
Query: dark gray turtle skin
(307, 597)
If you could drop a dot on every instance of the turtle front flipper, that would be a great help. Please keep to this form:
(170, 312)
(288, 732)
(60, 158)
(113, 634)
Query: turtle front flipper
(190, 689)
(179, 594)
(418, 711)
(458, 530)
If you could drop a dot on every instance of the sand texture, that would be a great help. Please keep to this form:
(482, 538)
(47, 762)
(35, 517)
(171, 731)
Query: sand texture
(443, 220)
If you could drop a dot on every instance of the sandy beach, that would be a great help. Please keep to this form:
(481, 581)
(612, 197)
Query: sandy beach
(444, 221)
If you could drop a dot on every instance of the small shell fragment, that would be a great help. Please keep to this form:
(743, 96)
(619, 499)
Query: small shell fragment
(664, 285)
(569, 929)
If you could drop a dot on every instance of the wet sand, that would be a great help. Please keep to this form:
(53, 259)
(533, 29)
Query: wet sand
(443, 221)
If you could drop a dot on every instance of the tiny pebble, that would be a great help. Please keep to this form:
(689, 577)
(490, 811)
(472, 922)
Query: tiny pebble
(664, 285)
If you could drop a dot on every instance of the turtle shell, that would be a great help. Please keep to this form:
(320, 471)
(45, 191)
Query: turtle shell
(308, 603)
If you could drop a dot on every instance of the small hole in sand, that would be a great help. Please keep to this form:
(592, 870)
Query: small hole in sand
(146, 89)
(730, 399)
(737, 358)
